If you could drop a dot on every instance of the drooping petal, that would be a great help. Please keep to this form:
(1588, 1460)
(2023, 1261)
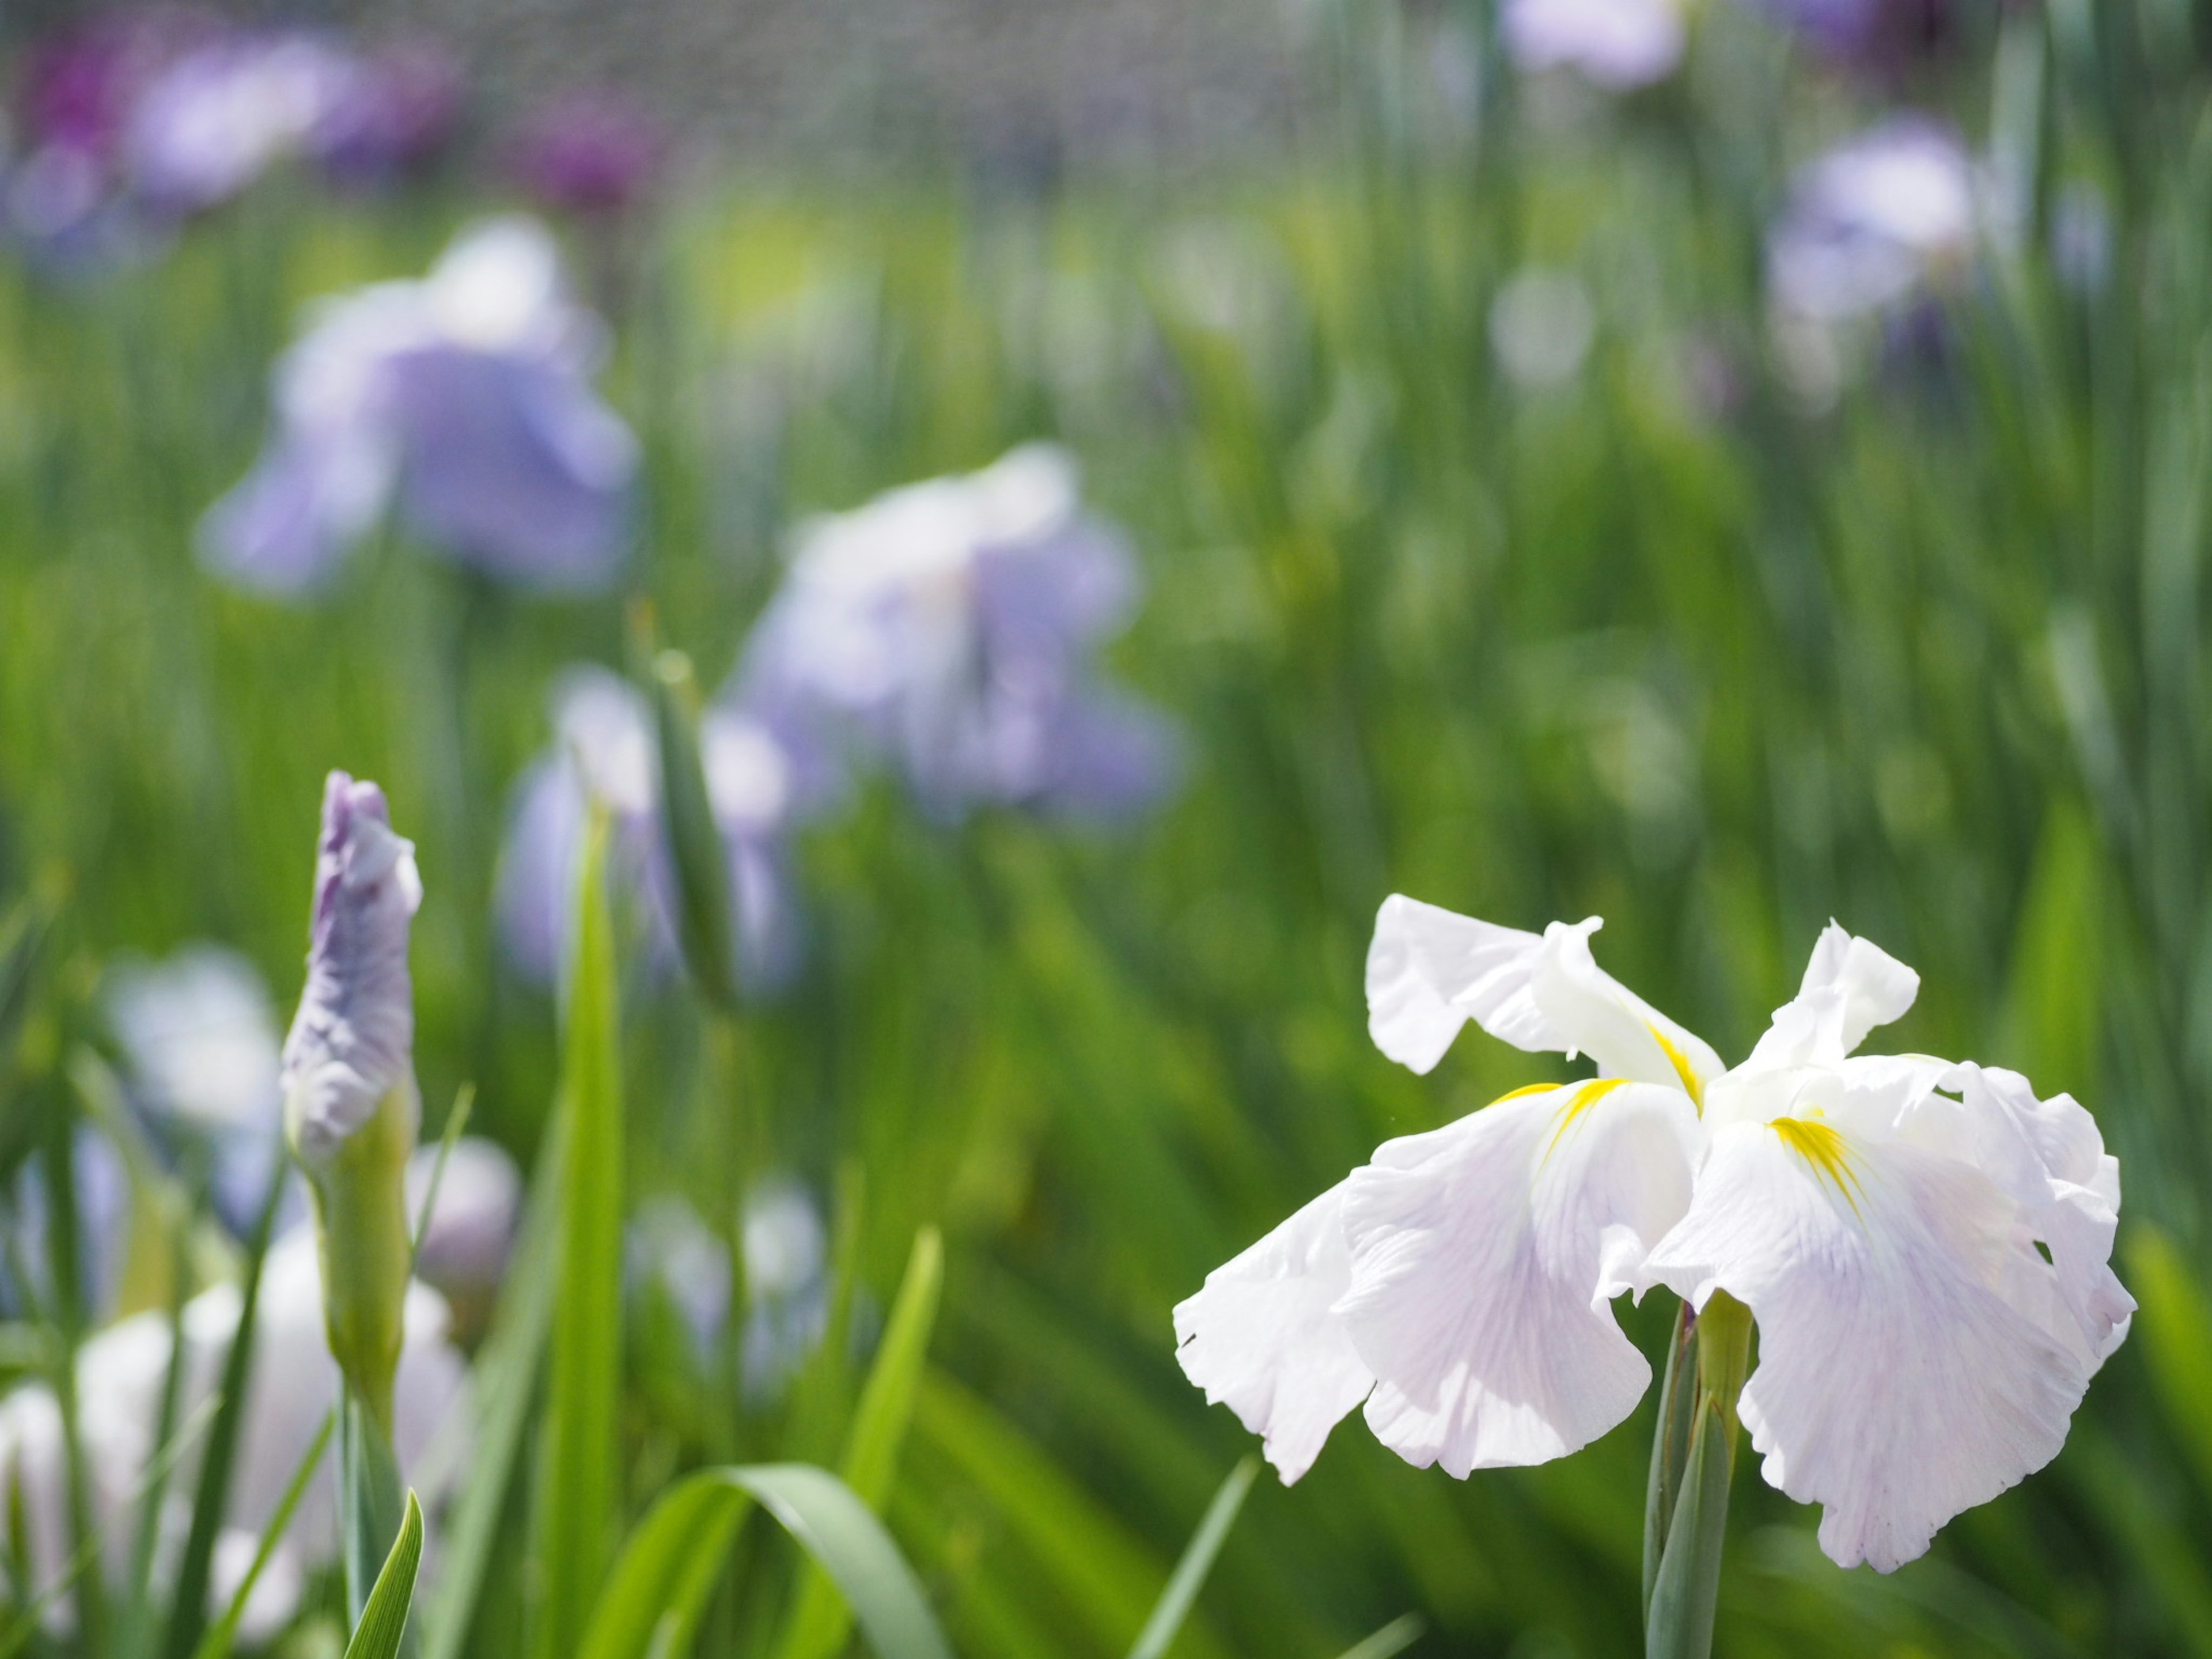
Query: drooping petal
(1430, 971)
(1483, 1255)
(2049, 1157)
(1261, 1336)
(1899, 1379)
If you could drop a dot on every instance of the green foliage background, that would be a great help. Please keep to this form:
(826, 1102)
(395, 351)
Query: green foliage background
(1666, 643)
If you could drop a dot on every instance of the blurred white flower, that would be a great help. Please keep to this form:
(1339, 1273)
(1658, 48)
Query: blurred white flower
(465, 1240)
(199, 1035)
(950, 627)
(466, 396)
(786, 1285)
(218, 117)
(1542, 325)
(1925, 1246)
(1616, 44)
(1873, 219)
(669, 1249)
(761, 779)
(293, 1384)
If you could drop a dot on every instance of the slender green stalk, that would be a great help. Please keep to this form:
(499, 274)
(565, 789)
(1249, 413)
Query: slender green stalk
(1683, 1584)
(372, 1501)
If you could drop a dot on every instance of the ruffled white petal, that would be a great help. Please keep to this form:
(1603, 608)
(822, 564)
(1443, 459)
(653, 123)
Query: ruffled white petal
(1483, 1256)
(1900, 1378)
(1850, 985)
(2047, 1156)
(1260, 1336)
(1430, 971)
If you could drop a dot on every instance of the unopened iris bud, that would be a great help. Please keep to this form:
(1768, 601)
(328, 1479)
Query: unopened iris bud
(351, 1111)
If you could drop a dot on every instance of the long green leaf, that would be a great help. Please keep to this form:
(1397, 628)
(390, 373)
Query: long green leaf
(575, 1501)
(384, 1620)
(820, 1619)
(503, 1383)
(1394, 1638)
(217, 1643)
(1680, 1623)
(679, 1551)
(667, 1569)
(1184, 1585)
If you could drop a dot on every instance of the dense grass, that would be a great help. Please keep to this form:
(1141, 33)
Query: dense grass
(1662, 643)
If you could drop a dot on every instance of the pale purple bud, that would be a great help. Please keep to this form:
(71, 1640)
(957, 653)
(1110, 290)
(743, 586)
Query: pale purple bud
(352, 1042)
(469, 1231)
(1616, 44)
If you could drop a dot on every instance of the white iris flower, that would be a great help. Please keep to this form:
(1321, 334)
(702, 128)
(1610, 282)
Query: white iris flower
(1925, 1246)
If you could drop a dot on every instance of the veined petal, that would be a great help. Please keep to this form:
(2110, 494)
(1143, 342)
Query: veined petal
(1261, 1336)
(2048, 1155)
(1430, 971)
(1899, 1379)
(1483, 1255)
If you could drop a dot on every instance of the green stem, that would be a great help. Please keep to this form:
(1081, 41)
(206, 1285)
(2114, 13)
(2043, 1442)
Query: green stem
(1684, 1539)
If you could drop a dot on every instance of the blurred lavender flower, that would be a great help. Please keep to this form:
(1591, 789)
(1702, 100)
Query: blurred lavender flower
(103, 1196)
(669, 1251)
(787, 1285)
(1869, 34)
(467, 396)
(1616, 44)
(121, 1373)
(760, 780)
(950, 627)
(588, 152)
(219, 116)
(394, 111)
(199, 1035)
(1873, 221)
(468, 1234)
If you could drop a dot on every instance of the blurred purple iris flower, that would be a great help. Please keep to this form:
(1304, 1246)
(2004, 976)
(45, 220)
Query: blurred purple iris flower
(759, 784)
(1616, 44)
(1875, 220)
(394, 111)
(466, 399)
(949, 628)
(1869, 34)
(219, 116)
(588, 152)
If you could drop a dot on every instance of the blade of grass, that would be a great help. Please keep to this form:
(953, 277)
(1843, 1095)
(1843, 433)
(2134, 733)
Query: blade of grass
(457, 1121)
(575, 1500)
(217, 1644)
(669, 1567)
(1198, 1556)
(846, 1539)
(819, 1620)
(1394, 1638)
(210, 1501)
(384, 1620)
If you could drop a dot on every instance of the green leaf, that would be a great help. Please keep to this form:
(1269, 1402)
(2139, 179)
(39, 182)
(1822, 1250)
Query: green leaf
(819, 1619)
(1394, 1638)
(1670, 1448)
(2174, 1332)
(217, 1644)
(384, 1620)
(371, 1500)
(1197, 1561)
(843, 1534)
(1683, 1592)
(575, 1503)
(695, 852)
(679, 1551)
(505, 1382)
(667, 1569)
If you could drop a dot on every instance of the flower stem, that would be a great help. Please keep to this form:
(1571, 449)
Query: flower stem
(372, 1503)
(1686, 1522)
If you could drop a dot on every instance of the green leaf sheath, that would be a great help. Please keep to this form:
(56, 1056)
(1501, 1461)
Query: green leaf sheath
(383, 1624)
(576, 1512)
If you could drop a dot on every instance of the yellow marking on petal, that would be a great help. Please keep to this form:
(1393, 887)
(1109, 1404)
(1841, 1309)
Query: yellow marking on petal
(1526, 1089)
(1579, 1103)
(1692, 1085)
(1824, 1150)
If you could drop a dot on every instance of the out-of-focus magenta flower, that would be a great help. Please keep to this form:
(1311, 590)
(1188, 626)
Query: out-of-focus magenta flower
(396, 110)
(588, 152)
(1873, 219)
(759, 784)
(1869, 34)
(1616, 44)
(950, 627)
(467, 399)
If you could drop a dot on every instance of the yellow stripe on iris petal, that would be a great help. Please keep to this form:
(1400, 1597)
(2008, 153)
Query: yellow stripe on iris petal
(1525, 1089)
(1692, 1085)
(1579, 1102)
(1825, 1151)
